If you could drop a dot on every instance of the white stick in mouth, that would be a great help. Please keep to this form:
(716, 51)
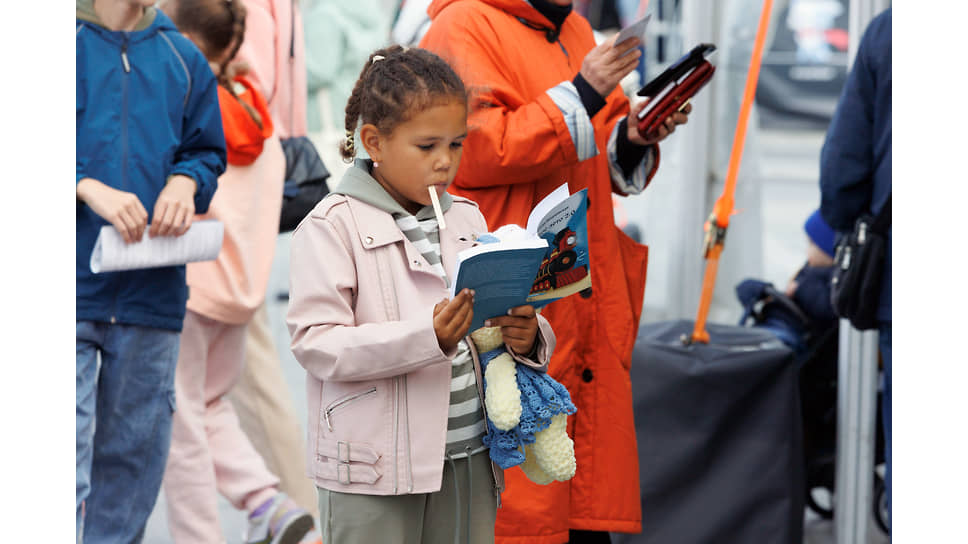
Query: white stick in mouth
(441, 224)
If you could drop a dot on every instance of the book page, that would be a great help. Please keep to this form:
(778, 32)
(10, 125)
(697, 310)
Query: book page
(545, 206)
(558, 217)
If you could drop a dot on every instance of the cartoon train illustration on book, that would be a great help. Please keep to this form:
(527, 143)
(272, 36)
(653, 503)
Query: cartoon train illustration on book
(558, 268)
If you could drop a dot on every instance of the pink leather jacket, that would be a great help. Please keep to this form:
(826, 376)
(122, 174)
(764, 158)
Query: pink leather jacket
(360, 316)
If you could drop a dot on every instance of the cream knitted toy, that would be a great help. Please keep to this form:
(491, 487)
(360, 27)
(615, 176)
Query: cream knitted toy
(527, 412)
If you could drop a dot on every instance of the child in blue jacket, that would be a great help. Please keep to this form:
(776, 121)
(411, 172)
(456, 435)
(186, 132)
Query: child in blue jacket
(149, 138)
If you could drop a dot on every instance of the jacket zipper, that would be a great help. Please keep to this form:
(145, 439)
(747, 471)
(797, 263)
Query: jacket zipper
(406, 428)
(343, 402)
(396, 432)
(124, 58)
(126, 65)
(399, 399)
(565, 51)
(124, 113)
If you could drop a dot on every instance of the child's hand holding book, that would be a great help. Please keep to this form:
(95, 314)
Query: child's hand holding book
(452, 319)
(519, 329)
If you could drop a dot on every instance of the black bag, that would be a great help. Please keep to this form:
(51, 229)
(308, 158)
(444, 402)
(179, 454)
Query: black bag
(719, 435)
(855, 288)
(305, 181)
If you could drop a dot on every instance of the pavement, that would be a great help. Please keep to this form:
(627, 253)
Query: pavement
(789, 193)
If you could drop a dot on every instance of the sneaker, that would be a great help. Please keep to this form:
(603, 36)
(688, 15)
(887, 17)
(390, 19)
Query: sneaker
(278, 521)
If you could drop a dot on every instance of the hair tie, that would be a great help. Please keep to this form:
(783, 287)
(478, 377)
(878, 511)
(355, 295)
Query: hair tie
(377, 57)
(349, 139)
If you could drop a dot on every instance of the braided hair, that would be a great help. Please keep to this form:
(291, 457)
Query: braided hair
(217, 28)
(396, 83)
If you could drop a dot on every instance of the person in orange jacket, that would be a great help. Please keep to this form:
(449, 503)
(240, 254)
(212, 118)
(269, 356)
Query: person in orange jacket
(549, 110)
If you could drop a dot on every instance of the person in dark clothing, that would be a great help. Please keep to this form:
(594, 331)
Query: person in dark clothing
(855, 172)
(810, 288)
(804, 307)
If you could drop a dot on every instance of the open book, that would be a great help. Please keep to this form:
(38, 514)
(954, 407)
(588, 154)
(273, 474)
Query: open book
(537, 266)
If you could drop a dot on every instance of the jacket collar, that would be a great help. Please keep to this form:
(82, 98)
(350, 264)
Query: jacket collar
(373, 208)
(554, 13)
(520, 9)
(359, 184)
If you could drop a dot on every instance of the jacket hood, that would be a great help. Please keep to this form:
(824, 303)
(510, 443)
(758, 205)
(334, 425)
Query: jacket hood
(358, 183)
(518, 8)
(85, 12)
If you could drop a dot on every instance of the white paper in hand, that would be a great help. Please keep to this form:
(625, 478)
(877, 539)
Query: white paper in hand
(634, 30)
(202, 242)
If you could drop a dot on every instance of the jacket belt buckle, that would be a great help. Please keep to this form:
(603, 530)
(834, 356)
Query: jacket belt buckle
(343, 466)
(343, 452)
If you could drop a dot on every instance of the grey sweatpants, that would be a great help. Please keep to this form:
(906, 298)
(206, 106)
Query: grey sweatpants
(428, 518)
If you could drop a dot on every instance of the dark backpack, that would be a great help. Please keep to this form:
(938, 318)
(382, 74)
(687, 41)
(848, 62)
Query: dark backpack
(305, 182)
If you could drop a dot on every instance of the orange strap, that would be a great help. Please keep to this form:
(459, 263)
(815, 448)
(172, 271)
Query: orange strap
(718, 222)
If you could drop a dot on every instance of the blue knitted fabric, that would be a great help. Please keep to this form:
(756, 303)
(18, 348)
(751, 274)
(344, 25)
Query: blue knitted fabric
(541, 398)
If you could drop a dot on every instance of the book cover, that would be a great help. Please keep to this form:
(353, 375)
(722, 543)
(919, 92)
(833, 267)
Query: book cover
(538, 265)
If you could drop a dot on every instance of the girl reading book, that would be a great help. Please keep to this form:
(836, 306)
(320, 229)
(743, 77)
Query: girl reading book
(396, 418)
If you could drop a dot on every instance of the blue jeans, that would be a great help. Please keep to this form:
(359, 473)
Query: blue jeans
(124, 411)
(884, 339)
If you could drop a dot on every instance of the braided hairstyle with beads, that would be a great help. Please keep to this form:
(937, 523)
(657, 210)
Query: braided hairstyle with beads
(396, 83)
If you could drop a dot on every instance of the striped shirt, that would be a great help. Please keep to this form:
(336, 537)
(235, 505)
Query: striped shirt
(465, 416)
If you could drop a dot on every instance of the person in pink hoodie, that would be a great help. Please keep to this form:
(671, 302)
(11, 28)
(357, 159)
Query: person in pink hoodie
(274, 51)
(209, 452)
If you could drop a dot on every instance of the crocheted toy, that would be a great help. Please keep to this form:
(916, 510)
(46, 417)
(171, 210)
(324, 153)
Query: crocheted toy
(527, 412)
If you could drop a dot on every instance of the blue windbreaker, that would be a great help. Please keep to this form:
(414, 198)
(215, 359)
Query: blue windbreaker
(147, 108)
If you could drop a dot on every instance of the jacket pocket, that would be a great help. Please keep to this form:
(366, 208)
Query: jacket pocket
(343, 402)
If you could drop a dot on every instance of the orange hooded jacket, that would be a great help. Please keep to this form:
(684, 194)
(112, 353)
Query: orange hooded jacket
(518, 150)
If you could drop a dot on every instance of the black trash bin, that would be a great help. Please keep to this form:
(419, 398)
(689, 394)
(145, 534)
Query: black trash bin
(719, 436)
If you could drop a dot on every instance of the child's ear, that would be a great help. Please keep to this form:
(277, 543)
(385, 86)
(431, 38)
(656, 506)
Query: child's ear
(372, 141)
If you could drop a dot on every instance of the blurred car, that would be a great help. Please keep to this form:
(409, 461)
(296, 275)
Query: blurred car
(804, 70)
